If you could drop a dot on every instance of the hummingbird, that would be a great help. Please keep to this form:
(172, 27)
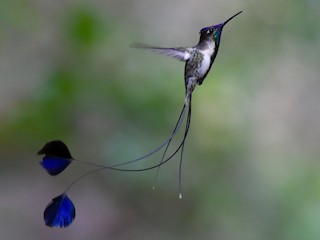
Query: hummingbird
(199, 59)
(198, 62)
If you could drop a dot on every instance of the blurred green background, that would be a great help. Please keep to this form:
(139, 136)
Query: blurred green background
(251, 169)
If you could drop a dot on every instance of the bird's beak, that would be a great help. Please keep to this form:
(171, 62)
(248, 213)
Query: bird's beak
(231, 18)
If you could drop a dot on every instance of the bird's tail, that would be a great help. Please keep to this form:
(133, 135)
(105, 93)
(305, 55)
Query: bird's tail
(185, 106)
(117, 167)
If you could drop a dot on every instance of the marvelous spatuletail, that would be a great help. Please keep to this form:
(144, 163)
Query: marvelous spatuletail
(60, 212)
(199, 60)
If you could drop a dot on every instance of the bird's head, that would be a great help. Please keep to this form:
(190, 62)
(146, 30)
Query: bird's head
(214, 32)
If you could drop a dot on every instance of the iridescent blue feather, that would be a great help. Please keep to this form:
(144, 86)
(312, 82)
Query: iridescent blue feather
(60, 212)
(54, 165)
(57, 157)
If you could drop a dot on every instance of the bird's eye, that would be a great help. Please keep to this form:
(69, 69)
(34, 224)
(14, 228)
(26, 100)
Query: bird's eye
(209, 31)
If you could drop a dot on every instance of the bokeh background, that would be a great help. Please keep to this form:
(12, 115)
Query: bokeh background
(251, 168)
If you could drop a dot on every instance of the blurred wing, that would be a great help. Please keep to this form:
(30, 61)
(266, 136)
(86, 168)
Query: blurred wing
(182, 54)
(60, 212)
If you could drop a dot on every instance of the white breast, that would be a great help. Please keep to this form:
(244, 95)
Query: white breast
(207, 53)
(205, 64)
(210, 49)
